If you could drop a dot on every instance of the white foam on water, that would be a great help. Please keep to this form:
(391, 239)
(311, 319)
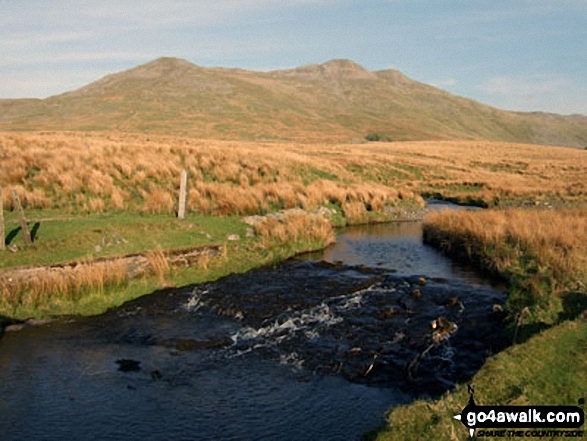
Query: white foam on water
(308, 322)
(292, 359)
(195, 302)
(294, 323)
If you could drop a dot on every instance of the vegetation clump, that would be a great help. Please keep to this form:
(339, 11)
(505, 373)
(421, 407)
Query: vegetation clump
(375, 137)
(541, 253)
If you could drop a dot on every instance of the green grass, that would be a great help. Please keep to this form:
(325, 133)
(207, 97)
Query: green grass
(239, 259)
(383, 175)
(62, 239)
(415, 171)
(311, 174)
(337, 219)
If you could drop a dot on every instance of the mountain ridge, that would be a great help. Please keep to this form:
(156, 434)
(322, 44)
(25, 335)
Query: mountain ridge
(338, 100)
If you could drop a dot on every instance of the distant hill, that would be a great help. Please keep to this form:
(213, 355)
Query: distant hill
(335, 101)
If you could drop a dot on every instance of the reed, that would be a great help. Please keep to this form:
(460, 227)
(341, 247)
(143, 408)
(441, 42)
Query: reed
(542, 253)
(297, 228)
(158, 264)
(69, 283)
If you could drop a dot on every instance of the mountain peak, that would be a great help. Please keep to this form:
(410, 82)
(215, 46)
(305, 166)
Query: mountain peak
(334, 68)
(340, 63)
(168, 62)
(162, 66)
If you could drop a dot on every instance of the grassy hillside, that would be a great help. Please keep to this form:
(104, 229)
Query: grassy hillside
(335, 101)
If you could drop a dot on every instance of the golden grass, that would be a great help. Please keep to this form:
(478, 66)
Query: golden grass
(70, 282)
(96, 172)
(158, 264)
(30, 288)
(542, 252)
(354, 212)
(293, 228)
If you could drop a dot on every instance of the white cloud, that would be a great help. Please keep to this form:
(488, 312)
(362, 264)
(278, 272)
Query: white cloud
(45, 83)
(561, 94)
(446, 82)
(73, 57)
(22, 40)
(145, 13)
(527, 85)
(68, 31)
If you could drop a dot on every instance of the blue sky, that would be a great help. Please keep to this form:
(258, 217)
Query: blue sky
(514, 54)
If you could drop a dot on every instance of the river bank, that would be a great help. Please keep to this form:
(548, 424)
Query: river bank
(91, 285)
(542, 254)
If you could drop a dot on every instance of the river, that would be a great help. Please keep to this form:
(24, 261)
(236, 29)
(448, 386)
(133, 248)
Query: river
(318, 347)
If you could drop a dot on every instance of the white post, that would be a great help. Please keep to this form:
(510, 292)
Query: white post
(183, 193)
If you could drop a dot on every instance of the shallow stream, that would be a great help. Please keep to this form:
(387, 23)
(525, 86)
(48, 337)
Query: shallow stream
(318, 347)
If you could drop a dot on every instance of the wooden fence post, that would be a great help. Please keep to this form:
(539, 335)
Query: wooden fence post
(25, 230)
(183, 193)
(2, 237)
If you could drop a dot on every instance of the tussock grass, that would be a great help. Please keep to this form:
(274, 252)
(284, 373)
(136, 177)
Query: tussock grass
(354, 212)
(95, 172)
(542, 253)
(29, 291)
(305, 231)
(158, 264)
(69, 283)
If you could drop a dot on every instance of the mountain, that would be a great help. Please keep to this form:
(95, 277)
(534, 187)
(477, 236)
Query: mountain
(335, 101)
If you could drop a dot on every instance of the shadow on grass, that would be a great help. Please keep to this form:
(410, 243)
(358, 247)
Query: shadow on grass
(574, 303)
(34, 230)
(10, 236)
(13, 233)
(373, 434)
(524, 332)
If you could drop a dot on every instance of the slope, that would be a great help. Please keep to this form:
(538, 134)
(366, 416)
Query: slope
(335, 101)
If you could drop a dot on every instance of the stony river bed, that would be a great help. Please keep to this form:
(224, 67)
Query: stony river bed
(313, 348)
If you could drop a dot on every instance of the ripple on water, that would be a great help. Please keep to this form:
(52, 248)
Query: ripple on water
(289, 352)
